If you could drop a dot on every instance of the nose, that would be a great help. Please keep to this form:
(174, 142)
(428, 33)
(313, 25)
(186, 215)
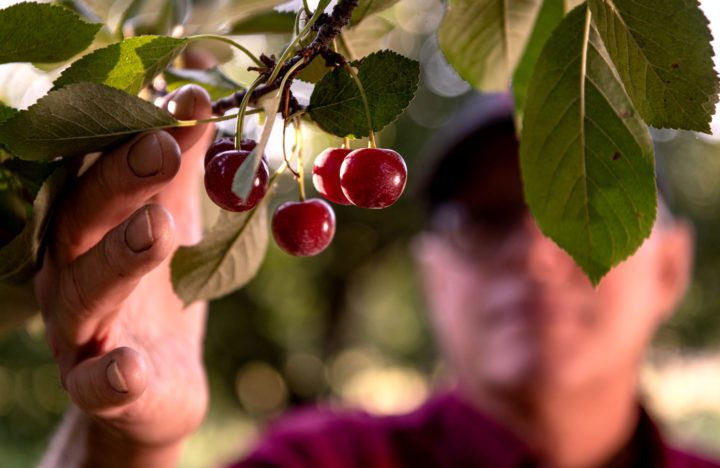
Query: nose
(544, 260)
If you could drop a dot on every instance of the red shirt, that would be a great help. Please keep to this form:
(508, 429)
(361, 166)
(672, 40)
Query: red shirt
(444, 432)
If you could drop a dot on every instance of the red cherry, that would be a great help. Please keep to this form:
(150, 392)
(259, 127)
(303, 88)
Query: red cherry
(303, 228)
(373, 177)
(227, 144)
(219, 176)
(326, 174)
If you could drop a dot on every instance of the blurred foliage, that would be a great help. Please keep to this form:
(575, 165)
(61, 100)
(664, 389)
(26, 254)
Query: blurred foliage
(348, 325)
(690, 167)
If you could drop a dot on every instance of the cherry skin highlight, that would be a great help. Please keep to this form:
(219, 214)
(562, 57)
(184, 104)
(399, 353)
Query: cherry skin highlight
(303, 228)
(373, 177)
(326, 174)
(227, 144)
(219, 176)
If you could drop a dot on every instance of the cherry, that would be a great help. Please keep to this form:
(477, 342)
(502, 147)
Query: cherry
(373, 177)
(326, 174)
(219, 176)
(227, 144)
(303, 228)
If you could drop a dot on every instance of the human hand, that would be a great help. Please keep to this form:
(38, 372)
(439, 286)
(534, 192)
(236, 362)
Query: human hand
(129, 355)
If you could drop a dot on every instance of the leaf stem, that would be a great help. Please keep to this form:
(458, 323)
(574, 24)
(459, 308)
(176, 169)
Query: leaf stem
(366, 104)
(344, 44)
(227, 40)
(192, 123)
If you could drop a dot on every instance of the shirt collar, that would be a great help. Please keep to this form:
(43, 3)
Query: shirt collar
(489, 443)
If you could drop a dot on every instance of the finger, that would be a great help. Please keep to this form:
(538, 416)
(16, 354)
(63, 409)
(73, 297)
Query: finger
(93, 286)
(191, 102)
(117, 185)
(181, 195)
(102, 383)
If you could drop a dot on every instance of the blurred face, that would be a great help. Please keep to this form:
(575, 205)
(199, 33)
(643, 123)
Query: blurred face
(512, 311)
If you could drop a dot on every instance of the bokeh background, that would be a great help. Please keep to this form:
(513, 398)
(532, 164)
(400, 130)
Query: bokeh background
(348, 327)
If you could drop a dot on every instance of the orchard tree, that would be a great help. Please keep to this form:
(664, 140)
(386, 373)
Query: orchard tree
(588, 78)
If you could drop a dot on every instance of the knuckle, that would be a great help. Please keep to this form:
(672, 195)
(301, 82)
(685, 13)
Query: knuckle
(112, 249)
(72, 293)
(106, 178)
(69, 233)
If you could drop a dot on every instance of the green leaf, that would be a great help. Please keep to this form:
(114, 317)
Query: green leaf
(266, 22)
(157, 16)
(228, 12)
(19, 259)
(245, 176)
(367, 8)
(128, 65)
(367, 37)
(77, 119)
(226, 259)
(315, 71)
(6, 112)
(390, 81)
(35, 32)
(31, 174)
(550, 15)
(662, 51)
(586, 156)
(484, 39)
(215, 82)
(131, 11)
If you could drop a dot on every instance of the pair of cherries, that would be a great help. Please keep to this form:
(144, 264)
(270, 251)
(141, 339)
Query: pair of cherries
(368, 177)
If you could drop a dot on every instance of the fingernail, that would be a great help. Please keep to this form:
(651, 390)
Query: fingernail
(138, 233)
(145, 157)
(116, 379)
(182, 106)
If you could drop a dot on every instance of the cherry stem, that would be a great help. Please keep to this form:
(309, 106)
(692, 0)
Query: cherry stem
(296, 23)
(346, 143)
(271, 188)
(242, 112)
(227, 40)
(356, 78)
(298, 148)
(297, 114)
(327, 27)
(285, 156)
(289, 50)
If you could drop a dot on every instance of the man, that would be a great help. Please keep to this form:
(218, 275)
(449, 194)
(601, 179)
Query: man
(545, 366)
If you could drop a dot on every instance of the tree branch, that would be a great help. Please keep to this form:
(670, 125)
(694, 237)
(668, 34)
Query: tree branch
(327, 27)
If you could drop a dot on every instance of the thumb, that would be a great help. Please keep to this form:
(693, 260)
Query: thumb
(103, 383)
(191, 102)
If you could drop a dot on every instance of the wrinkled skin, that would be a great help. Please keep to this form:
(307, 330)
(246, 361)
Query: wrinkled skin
(123, 342)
